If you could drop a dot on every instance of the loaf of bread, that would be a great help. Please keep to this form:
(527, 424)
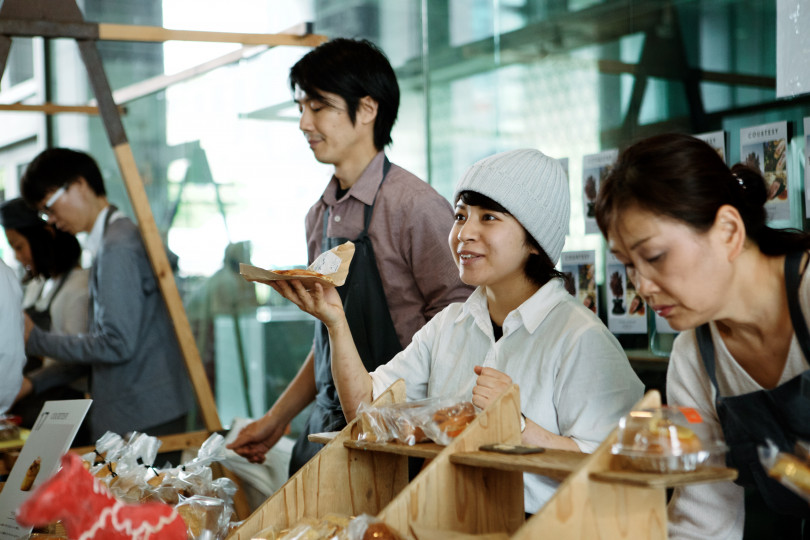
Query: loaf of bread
(452, 420)
(379, 531)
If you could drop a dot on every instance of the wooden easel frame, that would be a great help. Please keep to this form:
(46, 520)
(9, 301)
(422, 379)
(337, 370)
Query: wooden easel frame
(63, 19)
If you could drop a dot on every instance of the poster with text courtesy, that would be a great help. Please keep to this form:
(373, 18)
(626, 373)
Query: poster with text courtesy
(764, 148)
(627, 312)
(717, 140)
(580, 266)
(595, 168)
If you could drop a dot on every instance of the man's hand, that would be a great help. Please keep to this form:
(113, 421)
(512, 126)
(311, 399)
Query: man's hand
(257, 438)
(490, 384)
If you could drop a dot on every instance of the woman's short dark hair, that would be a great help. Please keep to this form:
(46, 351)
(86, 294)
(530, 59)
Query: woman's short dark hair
(539, 267)
(54, 252)
(685, 179)
(352, 69)
(57, 167)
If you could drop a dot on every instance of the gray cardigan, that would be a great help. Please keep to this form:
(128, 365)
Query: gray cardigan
(138, 379)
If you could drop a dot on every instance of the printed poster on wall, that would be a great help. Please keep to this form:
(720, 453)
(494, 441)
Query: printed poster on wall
(564, 164)
(627, 313)
(581, 267)
(595, 167)
(765, 148)
(792, 46)
(807, 166)
(51, 436)
(715, 139)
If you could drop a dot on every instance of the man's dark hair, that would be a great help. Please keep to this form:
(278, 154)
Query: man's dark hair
(57, 167)
(352, 69)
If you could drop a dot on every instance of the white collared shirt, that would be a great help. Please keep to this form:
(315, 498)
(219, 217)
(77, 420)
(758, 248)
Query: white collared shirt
(574, 378)
(12, 352)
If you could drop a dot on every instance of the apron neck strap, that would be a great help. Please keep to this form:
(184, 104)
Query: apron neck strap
(369, 210)
(59, 285)
(703, 333)
(111, 209)
(793, 278)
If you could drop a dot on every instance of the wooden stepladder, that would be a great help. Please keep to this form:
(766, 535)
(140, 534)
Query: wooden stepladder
(63, 19)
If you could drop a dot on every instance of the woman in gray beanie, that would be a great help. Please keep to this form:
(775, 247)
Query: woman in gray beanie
(520, 324)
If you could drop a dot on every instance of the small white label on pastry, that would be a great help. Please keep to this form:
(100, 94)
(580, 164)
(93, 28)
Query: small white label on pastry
(327, 263)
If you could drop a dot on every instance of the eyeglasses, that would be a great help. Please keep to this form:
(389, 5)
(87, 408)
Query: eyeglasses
(47, 208)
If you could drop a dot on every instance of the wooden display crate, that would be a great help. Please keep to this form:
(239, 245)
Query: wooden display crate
(337, 480)
(468, 491)
(596, 502)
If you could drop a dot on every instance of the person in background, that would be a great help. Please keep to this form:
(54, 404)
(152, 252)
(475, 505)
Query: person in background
(693, 235)
(520, 324)
(225, 294)
(401, 274)
(138, 381)
(12, 352)
(55, 297)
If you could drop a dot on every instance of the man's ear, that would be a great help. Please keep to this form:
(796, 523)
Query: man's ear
(729, 230)
(367, 110)
(82, 182)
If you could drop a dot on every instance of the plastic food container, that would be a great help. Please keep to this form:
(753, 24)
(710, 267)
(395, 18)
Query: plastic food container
(666, 440)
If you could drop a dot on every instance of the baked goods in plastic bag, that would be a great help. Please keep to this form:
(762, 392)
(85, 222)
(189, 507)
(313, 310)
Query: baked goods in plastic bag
(9, 431)
(665, 439)
(436, 419)
(328, 527)
(332, 527)
(205, 517)
(268, 533)
(792, 471)
(366, 527)
(127, 468)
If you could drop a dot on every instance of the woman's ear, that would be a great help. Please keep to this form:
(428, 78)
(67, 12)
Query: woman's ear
(367, 110)
(729, 230)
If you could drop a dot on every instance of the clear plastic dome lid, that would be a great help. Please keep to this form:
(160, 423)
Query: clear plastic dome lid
(667, 439)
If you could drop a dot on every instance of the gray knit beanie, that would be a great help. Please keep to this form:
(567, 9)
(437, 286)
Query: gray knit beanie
(532, 187)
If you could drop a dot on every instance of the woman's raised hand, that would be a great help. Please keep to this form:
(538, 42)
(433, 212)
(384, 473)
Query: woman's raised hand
(321, 302)
(490, 384)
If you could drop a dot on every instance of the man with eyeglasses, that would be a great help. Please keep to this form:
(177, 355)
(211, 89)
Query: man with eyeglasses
(137, 378)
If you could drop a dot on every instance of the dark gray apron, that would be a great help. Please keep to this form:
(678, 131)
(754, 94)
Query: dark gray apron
(371, 327)
(42, 319)
(29, 407)
(781, 414)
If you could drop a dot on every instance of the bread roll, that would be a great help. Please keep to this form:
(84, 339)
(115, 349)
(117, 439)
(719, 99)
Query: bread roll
(452, 420)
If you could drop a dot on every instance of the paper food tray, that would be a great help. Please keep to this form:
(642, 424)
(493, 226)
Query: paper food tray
(333, 265)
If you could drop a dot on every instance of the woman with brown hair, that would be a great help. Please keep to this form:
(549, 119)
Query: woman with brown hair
(55, 298)
(692, 233)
